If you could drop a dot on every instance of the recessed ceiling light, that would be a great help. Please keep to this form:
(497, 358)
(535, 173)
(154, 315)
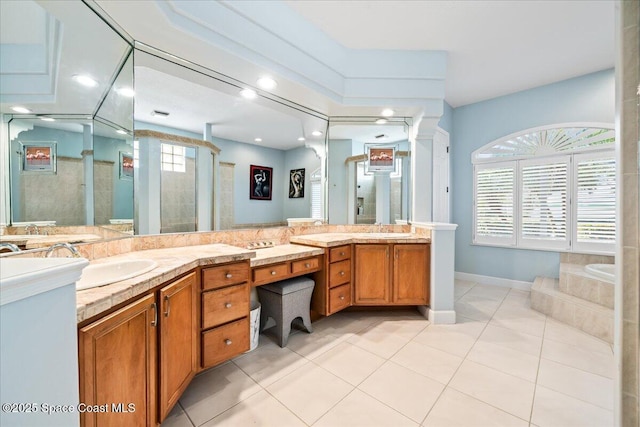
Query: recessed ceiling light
(267, 83)
(316, 133)
(387, 112)
(381, 121)
(22, 110)
(258, 140)
(47, 119)
(126, 91)
(85, 80)
(248, 93)
(121, 132)
(160, 114)
(301, 139)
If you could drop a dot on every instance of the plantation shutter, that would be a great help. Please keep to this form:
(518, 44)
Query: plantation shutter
(494, 203)
(544, 203)
(595, 177)
(316, 195)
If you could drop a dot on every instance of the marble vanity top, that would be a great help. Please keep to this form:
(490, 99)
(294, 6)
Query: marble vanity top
(327, 240)
(172, 262)
(283, 253)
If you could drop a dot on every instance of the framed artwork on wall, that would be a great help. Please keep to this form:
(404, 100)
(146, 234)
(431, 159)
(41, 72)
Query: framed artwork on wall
(296, 183)
(380, 158)
(38, 157)
(260, 182)
(126, 165)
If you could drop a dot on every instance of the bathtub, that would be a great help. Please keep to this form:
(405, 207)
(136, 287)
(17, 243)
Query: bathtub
(606, 272)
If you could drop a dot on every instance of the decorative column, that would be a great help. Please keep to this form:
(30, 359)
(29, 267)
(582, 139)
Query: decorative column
(146, 181)
(87, 170)
(207, 196)
(383, 198)
(421, 168)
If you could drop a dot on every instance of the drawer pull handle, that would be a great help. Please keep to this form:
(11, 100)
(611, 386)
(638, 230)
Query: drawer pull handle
(168, 309)
(227, 305)
(273, 273)
(307, 265)
(341, 253)
(342, 273)
(228, 341)
(341, 297)
(228, 275)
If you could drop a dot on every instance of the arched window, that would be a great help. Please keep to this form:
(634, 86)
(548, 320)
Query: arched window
(550, 188)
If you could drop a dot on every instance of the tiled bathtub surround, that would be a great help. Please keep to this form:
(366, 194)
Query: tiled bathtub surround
(576, 281)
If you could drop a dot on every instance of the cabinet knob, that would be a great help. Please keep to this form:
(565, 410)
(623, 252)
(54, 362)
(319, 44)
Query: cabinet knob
(228, 341)
(341, 297)
(273, 273)
(227, 305)
(307, 265)
(228, 275)
(341, 253)
(342, 273)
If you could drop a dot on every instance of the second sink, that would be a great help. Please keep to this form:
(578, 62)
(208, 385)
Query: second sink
(111, 272)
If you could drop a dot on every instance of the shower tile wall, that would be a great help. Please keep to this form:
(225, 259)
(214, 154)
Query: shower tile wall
(178, 199)
(396, 199)
(104, 173)
(628, 65)
(367, 191)
(59, 196)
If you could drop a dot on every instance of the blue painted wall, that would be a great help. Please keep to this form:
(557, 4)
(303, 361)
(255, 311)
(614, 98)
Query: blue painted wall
(299, 158)
(589, 98)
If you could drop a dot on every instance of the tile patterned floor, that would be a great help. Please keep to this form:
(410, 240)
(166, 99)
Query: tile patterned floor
(502, 364)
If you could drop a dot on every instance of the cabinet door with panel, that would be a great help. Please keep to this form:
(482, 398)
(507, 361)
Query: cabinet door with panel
(178, 340)
(411, 274)
(372, 274)
(118, 365)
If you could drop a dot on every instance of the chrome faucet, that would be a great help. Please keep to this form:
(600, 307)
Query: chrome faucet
(10, 246)
(68, 246)
(31, 229)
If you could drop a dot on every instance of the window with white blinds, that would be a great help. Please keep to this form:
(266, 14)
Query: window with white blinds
(316, 195)
(494, 203)
(551, 189)
(544, 212)
(595, 213)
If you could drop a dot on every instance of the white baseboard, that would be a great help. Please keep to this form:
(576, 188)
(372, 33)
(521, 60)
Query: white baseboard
(495, 281)
(442, 317)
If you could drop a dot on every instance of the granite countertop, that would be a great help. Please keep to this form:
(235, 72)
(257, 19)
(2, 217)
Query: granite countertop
(283, 253)
(34, 241)
(172, 262)
(327, 240)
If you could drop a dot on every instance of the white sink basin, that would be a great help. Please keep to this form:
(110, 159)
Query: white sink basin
(111, 272)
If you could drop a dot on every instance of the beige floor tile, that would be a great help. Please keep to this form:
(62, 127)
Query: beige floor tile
(216, 390)
(582, 385)
(360, 410)
(402, 389)
(312, 345)
(507, 392)
(261, 409)
(506, 360)
(490, 292)
(379, 342)
(476, 308)
(341, 324)
(428, 361)
(268, 363)
(177, 418)
(407, 328)
(566, 334)
(553, 409)
(461, 287)
(519, 318)
(350, 362)
(310, 391)
(509, 338)
(455, 339)
(455, 409)
(595, 362)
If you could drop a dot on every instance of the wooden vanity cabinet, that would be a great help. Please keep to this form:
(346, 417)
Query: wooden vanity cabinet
(332, 291)
(391, 274)
(225, 312)
(117, 363)
(143, 354)
(178, 344)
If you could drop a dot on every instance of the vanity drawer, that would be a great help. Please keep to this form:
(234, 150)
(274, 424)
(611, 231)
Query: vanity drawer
(309, 264)
(339, 273)
(224, 342)
(339, 298)
(339, 253)
(223, 305)
(269, 274)
(225, 275)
